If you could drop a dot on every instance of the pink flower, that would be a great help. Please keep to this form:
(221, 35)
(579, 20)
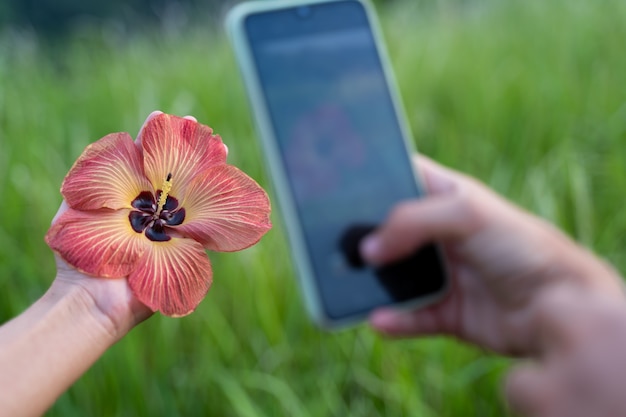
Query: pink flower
(148, 211)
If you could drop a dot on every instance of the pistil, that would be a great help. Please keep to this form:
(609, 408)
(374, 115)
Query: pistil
(154, 218)
(165, 190)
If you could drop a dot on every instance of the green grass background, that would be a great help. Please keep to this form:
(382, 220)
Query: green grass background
(527, 95)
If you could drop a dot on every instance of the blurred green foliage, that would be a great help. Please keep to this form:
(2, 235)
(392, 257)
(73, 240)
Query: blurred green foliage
(527, 95)
(60, 17)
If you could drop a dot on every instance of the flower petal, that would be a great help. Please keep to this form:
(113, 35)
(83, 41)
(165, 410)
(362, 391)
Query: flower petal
(100, 242)
(181, 147)
(150, 116)
(172, 277)
(225, 210)
(108, 174)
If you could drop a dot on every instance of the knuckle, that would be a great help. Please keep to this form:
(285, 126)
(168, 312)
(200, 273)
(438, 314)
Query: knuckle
(402, 210)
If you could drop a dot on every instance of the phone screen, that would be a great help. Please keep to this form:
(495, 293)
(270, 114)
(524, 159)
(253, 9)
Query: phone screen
(341, 147)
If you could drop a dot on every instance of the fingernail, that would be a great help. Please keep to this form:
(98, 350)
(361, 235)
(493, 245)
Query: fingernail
(380, 318)
(370, 247)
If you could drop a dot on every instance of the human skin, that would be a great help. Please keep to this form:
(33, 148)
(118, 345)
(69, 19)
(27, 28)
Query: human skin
(501, 259)
(580, 371)
(47, 347)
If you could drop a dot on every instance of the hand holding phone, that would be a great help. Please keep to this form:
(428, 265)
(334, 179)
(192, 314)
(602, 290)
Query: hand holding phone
(337, 147)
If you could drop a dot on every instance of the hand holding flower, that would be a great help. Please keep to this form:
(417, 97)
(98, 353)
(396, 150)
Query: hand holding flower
(114, 304)
(147, 210)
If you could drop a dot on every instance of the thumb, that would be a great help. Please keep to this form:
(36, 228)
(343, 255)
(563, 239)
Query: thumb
(150, 117)
(529, 390)
(414, 223)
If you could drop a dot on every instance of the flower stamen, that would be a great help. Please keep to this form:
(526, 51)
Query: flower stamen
(165, 190)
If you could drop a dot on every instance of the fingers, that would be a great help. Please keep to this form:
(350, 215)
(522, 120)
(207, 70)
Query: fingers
(193, 119)
(62, 209)
(405, 323)
(452, 211)
(530, 392)
(150, 116)
(437, 178)
(156, 113)
(416, 222)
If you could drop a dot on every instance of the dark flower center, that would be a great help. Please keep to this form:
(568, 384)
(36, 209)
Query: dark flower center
(147, 216)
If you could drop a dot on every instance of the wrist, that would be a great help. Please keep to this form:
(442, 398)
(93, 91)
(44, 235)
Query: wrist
(83, 308)
(47, 347)
(107, 304)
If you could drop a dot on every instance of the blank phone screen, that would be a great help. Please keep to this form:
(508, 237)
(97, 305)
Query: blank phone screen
(341, 147)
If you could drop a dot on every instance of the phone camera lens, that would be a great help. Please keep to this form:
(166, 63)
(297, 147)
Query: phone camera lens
(303, 12)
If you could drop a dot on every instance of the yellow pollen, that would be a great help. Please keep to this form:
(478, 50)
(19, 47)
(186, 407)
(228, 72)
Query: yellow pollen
(165, 190)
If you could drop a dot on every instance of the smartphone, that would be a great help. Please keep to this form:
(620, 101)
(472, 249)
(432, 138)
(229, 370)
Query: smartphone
(337, 148)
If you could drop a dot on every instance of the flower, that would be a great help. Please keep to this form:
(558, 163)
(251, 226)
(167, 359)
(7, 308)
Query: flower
(147, 210)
